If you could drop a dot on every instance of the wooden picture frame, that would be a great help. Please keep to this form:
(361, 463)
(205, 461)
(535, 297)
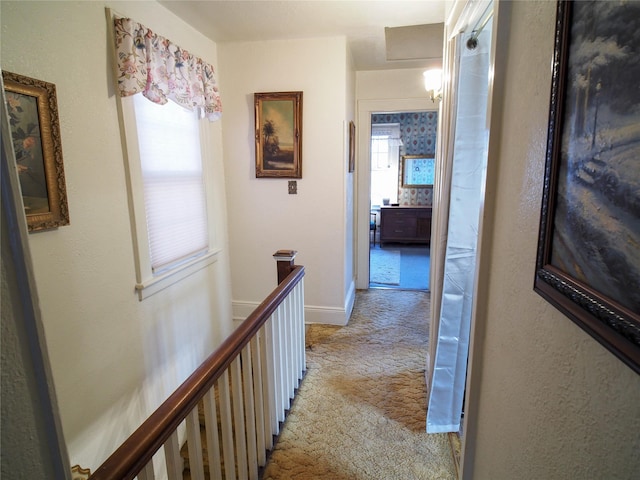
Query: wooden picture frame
(418, 171)
(278, 133)
(33, 121)
(352, 146)
(588, 261)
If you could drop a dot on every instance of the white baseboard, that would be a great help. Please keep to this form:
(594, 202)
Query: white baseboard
(312, 313)
(325, 315)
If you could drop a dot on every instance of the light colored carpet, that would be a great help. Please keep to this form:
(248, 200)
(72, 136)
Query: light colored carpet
(385, 266)
(360, 410)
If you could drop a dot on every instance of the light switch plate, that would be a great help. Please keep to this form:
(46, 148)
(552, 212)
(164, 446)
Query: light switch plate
(293, 187)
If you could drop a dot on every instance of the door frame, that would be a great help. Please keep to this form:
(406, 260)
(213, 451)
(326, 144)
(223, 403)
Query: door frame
(363, 168)
(463, 13)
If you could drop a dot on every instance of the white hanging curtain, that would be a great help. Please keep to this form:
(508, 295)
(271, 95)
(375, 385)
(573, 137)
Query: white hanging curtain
(442, 192)
(162, 71)
(468, 166)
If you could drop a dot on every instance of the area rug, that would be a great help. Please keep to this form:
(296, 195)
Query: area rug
(360, 412)
(384, 266)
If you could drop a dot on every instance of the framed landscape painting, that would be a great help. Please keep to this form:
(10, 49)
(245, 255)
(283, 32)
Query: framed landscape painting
(588, 260)
(33, 121)
(278, 131)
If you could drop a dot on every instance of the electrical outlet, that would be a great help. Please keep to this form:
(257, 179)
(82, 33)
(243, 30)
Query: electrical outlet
(293, 187)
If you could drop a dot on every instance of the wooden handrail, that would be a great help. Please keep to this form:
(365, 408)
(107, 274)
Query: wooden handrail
(131, 457)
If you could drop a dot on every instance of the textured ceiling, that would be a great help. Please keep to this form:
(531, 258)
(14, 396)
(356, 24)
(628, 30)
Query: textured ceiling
(362, 22)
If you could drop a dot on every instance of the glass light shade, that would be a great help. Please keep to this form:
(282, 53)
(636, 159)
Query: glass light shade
(433, 80)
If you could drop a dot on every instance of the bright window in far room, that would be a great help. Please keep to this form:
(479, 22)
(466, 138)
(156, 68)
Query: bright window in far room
(385, 154)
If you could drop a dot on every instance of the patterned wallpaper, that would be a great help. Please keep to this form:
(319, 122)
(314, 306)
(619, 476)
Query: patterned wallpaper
(418, 134)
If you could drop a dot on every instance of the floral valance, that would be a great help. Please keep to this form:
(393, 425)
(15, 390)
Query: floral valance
(163, 71)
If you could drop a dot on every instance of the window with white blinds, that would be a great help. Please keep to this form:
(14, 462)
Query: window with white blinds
(166, 163)
(174, 193)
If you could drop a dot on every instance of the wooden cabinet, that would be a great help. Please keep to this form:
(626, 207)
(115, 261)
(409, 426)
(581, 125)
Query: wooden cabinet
(405, 224)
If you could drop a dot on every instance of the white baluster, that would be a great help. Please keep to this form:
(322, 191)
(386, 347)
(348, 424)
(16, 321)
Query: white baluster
(172, 457)
(213, 440)
(249, 411)
(269, 391)
(288, 309)
(300, 329)
(258, 380)
(238, 418)
(196, 465)
(295, 341)
(277, 364)
(226, 426)
(303, 352)
(147, 472)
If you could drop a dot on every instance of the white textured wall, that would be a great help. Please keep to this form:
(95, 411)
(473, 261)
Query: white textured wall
(26, 447)
(547, 401)
(263, 217)
(111, 355)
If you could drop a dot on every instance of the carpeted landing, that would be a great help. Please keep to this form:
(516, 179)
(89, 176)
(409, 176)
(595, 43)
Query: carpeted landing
(360, 410)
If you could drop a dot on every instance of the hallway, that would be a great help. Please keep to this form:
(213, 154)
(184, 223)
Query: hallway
(360, 411)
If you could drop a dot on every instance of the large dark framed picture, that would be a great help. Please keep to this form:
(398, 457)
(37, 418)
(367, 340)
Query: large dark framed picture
(588, 260)
(278, 130)
(33, 120)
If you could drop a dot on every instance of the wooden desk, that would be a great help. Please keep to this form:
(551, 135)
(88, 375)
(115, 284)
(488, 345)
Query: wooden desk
(405, 224)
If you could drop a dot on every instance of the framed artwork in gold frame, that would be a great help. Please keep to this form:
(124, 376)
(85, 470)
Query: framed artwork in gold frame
(278, 133)
(35, 131)
(352, 146)
(418, 171)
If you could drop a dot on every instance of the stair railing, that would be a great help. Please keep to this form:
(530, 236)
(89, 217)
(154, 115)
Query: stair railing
(244, 389)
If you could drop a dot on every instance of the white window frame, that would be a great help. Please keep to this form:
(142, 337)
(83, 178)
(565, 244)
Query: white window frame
(147, 283)
(381, 156)
(384, 134)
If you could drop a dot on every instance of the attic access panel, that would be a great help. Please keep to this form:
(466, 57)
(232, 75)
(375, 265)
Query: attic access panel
(415, 42)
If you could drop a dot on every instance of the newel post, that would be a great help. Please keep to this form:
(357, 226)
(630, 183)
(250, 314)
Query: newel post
(284, 259)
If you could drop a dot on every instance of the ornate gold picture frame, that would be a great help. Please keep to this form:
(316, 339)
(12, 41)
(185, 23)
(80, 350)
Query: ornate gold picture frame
(33, 120)
(278, 130)
(418, 171)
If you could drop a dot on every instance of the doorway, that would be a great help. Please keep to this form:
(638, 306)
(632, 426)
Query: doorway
(399, 260)
(366, 109)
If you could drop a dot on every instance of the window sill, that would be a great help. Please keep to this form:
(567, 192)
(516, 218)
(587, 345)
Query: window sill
(153, 285)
